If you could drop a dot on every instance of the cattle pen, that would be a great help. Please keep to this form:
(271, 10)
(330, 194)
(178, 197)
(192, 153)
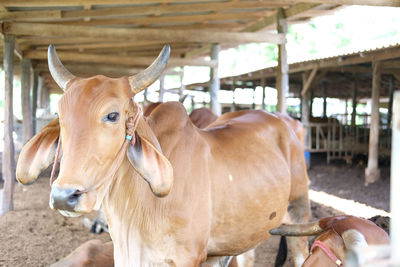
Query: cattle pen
(352, 148)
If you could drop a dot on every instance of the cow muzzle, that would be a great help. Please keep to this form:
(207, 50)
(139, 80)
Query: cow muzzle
(65, 200)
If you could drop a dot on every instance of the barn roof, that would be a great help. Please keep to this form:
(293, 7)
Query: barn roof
(336, 73)
(121, 37)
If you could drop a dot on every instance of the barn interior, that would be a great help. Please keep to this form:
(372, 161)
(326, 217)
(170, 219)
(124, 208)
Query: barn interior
(122, 37)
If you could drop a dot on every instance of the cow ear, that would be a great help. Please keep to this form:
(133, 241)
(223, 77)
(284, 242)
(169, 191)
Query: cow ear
(38, 153)
(148, 160)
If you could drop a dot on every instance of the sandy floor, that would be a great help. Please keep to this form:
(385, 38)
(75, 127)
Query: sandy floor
(34, 235)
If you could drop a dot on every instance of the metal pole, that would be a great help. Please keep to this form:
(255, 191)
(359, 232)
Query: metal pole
(395, 180)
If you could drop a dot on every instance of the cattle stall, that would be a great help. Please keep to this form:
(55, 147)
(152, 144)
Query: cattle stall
(116, 38)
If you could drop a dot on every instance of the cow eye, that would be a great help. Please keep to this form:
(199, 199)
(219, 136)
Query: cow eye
(111, 117)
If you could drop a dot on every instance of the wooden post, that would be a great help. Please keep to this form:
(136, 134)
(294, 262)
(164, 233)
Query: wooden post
(354, 106)
(34, 98)
(305, 113)
(233, 107)
(8, 168)
(162, 89)
(324, 96)
(372, 172)
(214, 81)
(253, 106)
(391, 91)
(27, 125)
(263, 82)
(282, 76)
(311, 102)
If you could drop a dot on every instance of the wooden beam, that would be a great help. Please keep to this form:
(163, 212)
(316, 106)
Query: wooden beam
(271, 20)
(87, 70)
(8, 159)
(116, 59)
(31, 15)
(42, 3)
(136, 10)
(309, 80)
(183, 36)
(151, 20)
(393, 3)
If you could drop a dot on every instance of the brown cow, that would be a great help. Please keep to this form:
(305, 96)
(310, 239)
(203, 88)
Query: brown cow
(202, 117)
(336, 235)
(175, 195)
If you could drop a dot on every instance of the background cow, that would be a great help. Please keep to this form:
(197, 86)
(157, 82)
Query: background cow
(336, 235)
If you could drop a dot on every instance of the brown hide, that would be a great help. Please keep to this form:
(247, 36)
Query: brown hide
(91, 253)
(202, 117)
(332, 237)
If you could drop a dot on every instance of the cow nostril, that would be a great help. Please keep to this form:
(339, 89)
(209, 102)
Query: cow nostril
(65, 198)
(74, 198)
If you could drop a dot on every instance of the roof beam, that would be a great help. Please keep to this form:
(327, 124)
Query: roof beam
(254, 27)
(41, 3)
(271, 20)
(309, 80)
(138, 34)
(169, 19)
(136, 10)
(116, 59)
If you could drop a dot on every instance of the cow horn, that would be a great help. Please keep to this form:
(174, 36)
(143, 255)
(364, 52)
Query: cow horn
(143, 79)
(305, 229)
(59, 73)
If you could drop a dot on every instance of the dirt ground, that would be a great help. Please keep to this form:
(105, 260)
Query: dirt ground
(35, 235)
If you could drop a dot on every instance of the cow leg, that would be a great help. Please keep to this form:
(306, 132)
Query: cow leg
(217, 261)
(299, 212)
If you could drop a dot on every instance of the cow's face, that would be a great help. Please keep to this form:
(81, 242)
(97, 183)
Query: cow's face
(93, 115)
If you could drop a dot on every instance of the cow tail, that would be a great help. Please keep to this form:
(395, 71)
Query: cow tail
(282, 253)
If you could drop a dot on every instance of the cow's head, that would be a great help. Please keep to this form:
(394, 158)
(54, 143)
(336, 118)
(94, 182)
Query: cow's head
(93, 115)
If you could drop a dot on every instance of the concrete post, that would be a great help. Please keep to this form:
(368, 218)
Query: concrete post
(27, 125)
(214, 81)
(282, 74)
(8, 166)
(162, 89)
(34, 99)
(372, 172)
